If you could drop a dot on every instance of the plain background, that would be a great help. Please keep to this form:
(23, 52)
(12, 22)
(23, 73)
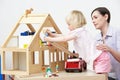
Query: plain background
(12, 10)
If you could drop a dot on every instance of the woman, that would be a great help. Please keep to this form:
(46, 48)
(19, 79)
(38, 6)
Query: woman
(111, 37)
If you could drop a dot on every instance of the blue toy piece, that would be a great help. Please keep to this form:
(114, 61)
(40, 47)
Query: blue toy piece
(27, 33)
(46, 34)
(1, 76)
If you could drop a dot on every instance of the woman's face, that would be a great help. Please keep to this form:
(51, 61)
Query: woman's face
(98, 20)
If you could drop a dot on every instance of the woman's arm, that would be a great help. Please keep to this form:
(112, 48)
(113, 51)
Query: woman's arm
(113, 52)
(116, 53)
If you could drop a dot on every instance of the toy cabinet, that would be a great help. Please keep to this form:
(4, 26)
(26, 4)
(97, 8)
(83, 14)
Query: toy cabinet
(30, 55)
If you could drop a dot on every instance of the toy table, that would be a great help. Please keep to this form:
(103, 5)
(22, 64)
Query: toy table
(87, 75)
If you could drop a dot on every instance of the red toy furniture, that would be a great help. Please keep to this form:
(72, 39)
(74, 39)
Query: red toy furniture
(77, 64)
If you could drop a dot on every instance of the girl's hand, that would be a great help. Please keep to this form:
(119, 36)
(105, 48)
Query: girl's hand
(48, 31)
(46, 38)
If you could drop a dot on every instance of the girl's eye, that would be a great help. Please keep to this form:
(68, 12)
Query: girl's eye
(68, 24)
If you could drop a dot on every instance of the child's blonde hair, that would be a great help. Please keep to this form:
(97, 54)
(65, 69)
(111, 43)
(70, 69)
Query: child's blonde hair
(76, 19)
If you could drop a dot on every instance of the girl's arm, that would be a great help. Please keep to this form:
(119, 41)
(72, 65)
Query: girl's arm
(60, 38)
(52, 34)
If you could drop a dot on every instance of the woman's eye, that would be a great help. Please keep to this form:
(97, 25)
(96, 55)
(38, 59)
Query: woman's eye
(95, 17)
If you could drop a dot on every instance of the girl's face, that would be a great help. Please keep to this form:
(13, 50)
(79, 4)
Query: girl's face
(70, 27)
(99, 20)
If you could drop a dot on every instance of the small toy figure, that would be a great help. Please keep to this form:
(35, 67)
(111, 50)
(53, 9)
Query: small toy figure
(28, 11)
(71, 57)
(57, 67)
(46, 34)
(48, 72)
(43, 69)
(74, 53)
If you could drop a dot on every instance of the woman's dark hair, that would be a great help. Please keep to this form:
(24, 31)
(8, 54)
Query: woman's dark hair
(103, 11)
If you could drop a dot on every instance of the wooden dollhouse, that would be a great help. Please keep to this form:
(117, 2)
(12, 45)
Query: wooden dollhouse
(20, 57)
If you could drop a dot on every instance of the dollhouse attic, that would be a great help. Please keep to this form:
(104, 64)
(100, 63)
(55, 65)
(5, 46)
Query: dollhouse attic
(27, 54)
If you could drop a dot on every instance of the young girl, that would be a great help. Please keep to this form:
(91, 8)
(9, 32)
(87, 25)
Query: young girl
(78, 33)
(82, 40)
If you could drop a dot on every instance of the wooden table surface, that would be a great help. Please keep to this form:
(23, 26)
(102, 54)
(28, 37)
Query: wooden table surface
(87, 75)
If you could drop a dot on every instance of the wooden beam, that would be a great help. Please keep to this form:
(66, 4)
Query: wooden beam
(31, 27)
(54, 24)
(62, 48)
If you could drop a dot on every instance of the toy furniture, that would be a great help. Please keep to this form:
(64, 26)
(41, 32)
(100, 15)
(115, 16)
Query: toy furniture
(28, 54)
(75, 65)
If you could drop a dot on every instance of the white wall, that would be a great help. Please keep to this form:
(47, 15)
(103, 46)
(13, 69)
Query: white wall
(11, 11)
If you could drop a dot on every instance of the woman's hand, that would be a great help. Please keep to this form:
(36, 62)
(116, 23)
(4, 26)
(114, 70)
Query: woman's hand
(103, 47)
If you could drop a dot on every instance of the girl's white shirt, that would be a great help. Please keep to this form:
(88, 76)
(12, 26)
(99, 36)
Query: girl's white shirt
(85, 45)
